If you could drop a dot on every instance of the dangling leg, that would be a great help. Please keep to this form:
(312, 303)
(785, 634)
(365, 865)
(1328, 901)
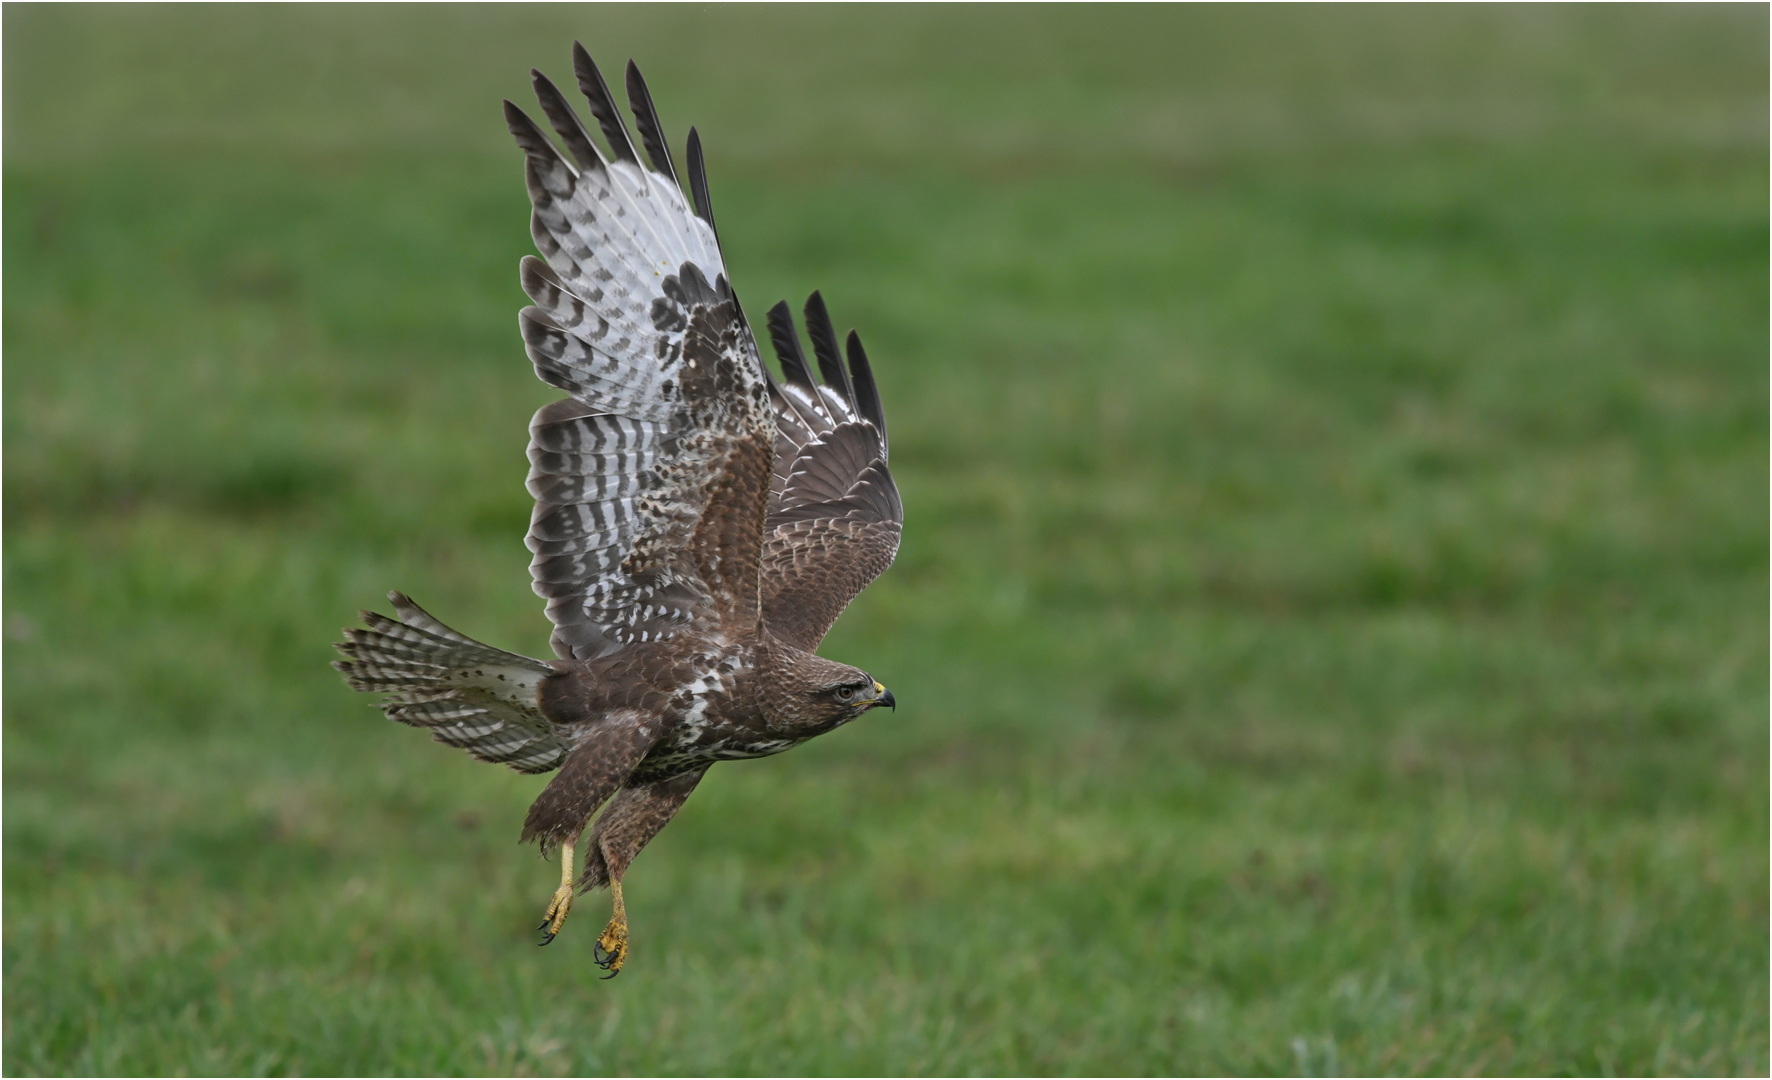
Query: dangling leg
(611, 949)
(561, 904)
(592, 772)
(633, 817)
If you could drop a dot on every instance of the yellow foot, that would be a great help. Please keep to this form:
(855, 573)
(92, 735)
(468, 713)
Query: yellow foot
(558, 908)
(561, 904)
(611, 950)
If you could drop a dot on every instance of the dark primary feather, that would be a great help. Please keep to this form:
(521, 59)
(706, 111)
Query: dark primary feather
(824, 346)
(651, 131)
(596, 91)
(867, 395)
(786, 339)
(698, 183)
(528, 136)
(801, 413)
(704, 209)
(565, 121)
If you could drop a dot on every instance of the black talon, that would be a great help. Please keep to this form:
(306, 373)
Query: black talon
(541, 925)
(604, 960)
(547, 940)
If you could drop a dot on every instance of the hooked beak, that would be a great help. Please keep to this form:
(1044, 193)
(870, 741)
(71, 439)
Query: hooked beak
(884, 697)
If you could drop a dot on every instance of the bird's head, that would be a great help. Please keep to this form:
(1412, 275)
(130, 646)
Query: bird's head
(855, 693)
(823, 693)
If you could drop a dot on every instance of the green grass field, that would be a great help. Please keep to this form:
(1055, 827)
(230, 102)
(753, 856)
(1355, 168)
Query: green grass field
(1331, 628)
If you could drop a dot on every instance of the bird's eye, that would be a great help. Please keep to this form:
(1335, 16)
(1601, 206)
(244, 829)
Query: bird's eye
(845, 693)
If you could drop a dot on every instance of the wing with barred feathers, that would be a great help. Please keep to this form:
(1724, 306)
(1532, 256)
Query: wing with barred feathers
(834, 512)
(651, 480)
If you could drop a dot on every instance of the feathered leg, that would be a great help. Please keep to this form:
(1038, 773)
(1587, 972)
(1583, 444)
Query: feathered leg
(633, 818)
(605, 756)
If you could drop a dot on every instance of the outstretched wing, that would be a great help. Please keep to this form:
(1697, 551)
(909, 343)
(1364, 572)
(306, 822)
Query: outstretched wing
(651, 480)
(834, 512)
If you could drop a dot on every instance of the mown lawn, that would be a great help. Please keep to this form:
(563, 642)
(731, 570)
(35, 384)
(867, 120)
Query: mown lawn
(1331, 628)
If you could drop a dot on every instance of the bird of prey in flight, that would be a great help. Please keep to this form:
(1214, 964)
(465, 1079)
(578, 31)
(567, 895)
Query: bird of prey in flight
(698, 524)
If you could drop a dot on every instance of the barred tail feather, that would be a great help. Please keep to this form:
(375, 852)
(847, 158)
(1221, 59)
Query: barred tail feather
(468, 695)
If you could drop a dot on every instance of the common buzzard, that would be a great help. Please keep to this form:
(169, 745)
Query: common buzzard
(698, 525)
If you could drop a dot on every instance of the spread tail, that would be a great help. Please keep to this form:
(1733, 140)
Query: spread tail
(473, 696)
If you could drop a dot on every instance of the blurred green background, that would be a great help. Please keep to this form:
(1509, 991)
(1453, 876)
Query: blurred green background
(1331, 627)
